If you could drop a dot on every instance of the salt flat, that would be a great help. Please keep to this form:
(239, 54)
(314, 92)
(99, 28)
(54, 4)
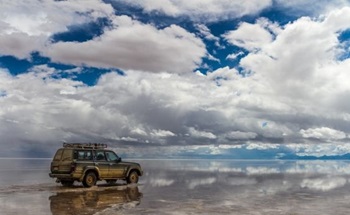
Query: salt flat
(184, 187)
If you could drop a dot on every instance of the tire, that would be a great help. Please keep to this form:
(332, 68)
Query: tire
(67, 183)
(133, 178)
(90, 179)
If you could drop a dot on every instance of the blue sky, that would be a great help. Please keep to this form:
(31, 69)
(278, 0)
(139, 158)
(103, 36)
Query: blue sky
(259, 79)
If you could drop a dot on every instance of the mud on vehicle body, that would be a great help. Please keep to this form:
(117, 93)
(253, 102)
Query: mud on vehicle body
(89, 163)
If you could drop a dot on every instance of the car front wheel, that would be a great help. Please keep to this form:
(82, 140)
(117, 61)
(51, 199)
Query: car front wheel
(133, 178)
(89, 179)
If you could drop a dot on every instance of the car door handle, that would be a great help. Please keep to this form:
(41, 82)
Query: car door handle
(111, 164)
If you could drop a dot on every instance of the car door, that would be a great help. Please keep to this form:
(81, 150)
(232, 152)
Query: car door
(116, 170)
(102, 163)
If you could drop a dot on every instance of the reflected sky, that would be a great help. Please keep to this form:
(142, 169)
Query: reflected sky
(185, 187)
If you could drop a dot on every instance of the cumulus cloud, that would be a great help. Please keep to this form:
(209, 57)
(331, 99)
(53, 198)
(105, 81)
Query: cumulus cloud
(201, 134)
(204, 31)
(128, 109)
(297, 65)
(249, 36)
(239, 135)
(234, 56)
(323, 133)
(320, 149)
(199, 10)
(162, 133)
(291, 87)
(133, 45)
(258, 146)
(26, 26)
(311, 7)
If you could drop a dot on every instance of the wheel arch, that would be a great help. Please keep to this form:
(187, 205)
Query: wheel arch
(91, 169)
(133, 169)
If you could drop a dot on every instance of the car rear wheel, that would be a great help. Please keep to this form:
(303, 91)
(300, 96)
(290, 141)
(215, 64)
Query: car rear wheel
(89, 179)
(133, 178)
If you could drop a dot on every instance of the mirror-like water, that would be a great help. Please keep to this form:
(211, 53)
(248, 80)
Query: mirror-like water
(184, 187)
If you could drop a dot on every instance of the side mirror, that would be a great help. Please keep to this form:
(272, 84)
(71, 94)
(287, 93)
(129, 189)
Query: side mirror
(119, 160)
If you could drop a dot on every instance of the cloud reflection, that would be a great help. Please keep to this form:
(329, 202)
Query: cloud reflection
(324, 184)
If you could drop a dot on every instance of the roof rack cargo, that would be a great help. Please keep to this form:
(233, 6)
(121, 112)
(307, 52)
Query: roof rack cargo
(85, 145)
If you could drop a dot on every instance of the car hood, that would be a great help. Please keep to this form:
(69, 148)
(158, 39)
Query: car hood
(129, 163)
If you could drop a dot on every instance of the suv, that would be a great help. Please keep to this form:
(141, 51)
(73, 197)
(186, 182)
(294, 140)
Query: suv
(90, 162)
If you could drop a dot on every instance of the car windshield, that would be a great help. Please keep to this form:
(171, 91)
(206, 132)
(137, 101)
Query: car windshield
(111, 156)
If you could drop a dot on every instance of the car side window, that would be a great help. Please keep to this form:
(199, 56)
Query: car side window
(111, 156)
(83, 155)
(100, 156)
(88, 155)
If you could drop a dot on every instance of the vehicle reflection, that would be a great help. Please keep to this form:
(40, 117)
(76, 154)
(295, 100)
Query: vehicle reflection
(93, 201)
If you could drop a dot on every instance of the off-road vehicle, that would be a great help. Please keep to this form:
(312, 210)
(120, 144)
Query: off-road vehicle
(89, 163)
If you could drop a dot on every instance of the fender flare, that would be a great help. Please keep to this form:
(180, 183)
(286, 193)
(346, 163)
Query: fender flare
(88, 168)
(133, 169)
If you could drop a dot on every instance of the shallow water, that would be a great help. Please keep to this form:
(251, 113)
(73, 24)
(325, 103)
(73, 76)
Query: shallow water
(184, 187)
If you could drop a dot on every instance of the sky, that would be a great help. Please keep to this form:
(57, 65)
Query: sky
(258, 79)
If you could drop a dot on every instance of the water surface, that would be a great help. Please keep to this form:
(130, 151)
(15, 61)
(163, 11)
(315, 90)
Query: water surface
(184, 187)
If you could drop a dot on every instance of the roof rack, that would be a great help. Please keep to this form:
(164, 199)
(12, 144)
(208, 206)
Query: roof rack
(85, 145)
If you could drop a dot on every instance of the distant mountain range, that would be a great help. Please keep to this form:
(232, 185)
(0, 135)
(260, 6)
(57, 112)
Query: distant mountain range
(325, 157)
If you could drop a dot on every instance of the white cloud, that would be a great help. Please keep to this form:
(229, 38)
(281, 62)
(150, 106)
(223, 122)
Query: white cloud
(294, 82)
(297, 70)
(320, 149)
(234, 56)
(162, 133)
(311, 7)
(323, 133)
(205, 32)
(204, 11)
(239, 135)
(201, 134)
(297, 62)
(20, 44)
(133, 45)
(129, 139)
(251, 37)
(27, 25)
(138, 131)
(261, 146)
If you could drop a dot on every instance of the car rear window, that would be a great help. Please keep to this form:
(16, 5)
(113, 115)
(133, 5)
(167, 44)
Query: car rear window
(58, 155)
(67, 154)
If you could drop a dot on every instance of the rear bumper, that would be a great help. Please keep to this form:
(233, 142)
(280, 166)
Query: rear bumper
(55, 175)
(64, 176)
